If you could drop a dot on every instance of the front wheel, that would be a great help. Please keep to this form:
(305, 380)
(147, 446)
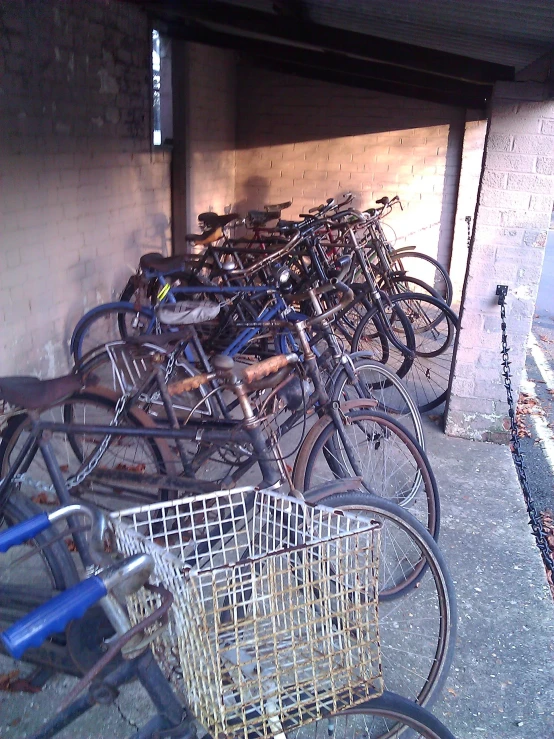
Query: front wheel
(366, 378)
(434, 327)
(356, 441)
(423, 267)
(385, 717)
(417, 602)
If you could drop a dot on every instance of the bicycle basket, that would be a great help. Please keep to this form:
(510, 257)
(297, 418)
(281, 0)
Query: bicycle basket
(274, 622)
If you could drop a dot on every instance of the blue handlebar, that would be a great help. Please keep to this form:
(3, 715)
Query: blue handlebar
(53, 616)
(23, 531)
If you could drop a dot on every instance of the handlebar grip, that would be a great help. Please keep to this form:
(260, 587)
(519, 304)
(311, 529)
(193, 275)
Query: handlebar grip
(188, 384)
(23, 531)
(267, 367)
(53, 616)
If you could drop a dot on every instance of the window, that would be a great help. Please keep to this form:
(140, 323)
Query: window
(162, 101)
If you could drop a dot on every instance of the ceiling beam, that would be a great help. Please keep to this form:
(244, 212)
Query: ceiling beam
(340, 78)
(239, 20)
(331, 67)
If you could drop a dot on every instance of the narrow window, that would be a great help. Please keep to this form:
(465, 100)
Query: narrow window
(162, 101)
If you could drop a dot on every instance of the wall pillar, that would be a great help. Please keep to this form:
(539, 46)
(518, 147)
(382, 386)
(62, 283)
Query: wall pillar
(514, 206)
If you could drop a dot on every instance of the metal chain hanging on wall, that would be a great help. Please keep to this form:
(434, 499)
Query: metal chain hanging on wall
(535, 519)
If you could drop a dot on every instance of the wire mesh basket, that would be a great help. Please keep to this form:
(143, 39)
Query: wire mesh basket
(274, 622)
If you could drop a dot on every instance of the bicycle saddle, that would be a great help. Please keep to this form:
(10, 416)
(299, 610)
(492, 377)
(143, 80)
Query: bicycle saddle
(187, 312)
(261, 217)
(212, 220)
(32, 393)
(278, 206)
(156, 262)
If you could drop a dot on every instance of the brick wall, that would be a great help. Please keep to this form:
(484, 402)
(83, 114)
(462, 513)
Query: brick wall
(211, 114)
(512, 219)
(81, 194)
(307, 141)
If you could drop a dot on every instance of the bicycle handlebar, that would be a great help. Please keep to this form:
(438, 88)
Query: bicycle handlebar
(249, 375)
(28, 529)
(347, 298)
(51, 617)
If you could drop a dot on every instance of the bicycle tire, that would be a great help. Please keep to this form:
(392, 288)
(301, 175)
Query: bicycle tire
(414, 587)
(428, 377)
(102, 324)
(313, 467)
(375, 339)
(379, 383)
(390, 715)
(157, 457)
(440, 278)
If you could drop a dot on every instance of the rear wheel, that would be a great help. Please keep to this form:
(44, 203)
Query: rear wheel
(110, 322)
(125, 454)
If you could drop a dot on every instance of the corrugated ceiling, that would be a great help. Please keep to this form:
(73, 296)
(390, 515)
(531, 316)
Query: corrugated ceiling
(512, 32)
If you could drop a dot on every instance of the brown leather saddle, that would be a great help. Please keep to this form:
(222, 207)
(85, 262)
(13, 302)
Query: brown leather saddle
(33, 394)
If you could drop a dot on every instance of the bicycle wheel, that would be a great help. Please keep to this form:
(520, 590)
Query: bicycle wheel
(385, 717)
(103, 324)
(417, 602)
(396, 283)
(391, 463)
(434, 327)
(377, 382)
(375, 340)
(422, 266)
(125, 454)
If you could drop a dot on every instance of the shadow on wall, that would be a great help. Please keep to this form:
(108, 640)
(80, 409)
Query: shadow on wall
(254, 189)
(111, 279)
(308, 141)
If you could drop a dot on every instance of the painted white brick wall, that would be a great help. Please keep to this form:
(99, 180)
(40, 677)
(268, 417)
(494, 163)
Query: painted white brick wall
(81, 194)
(306, 141)
(511, 226)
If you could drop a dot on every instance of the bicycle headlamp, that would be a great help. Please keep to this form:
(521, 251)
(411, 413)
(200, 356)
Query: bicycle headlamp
(281, 274)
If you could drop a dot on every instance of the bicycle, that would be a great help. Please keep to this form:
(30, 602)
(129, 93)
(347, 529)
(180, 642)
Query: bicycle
(431, 639)
(253, 700)
(392, 463)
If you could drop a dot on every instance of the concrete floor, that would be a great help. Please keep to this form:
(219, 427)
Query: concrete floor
(501, 683)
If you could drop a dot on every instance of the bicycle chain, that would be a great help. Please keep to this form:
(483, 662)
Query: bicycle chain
(535, 520)
(75, 480)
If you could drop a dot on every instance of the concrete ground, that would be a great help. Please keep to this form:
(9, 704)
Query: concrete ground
(501, 683)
